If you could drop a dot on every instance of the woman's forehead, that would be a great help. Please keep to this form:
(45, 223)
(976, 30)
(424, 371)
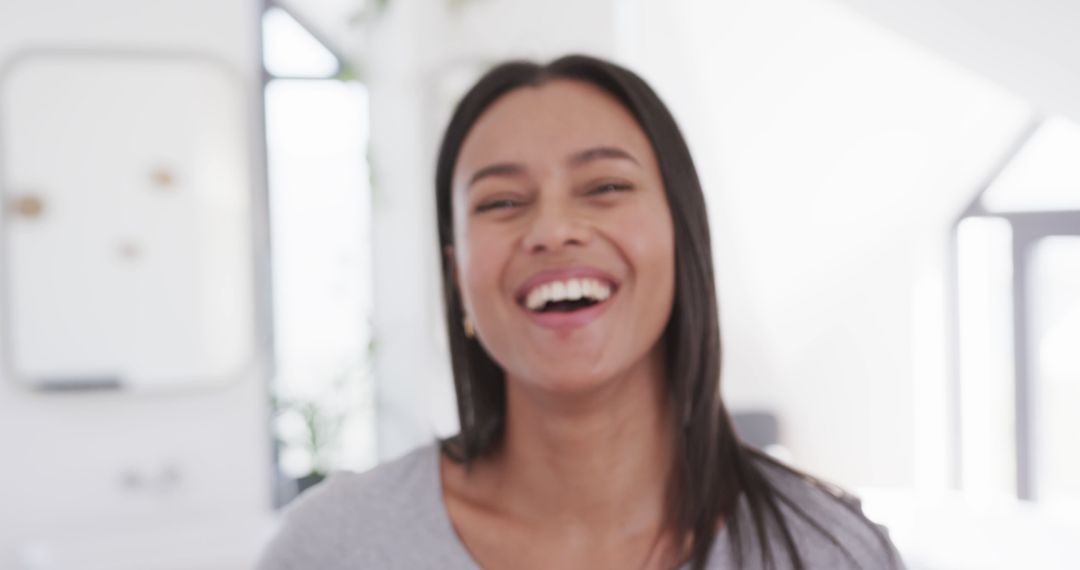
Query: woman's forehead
(548, 123)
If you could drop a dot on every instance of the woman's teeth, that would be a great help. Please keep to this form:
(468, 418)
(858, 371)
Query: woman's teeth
(569, 290)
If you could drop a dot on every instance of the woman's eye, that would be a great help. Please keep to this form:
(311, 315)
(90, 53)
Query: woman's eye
(499, 204)
(610, 187)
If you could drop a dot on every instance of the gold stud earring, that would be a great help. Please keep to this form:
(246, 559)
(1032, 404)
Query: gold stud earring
(470, 330)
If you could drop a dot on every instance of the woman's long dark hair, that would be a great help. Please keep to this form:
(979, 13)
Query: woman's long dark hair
(712, 467)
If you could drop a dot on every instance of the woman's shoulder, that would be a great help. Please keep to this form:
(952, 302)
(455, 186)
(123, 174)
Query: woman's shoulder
(390, 487)
(356, 519)
(827, 523)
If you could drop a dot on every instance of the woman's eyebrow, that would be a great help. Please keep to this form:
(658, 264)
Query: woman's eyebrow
(581, 157)
(577, 159)
(498, 169)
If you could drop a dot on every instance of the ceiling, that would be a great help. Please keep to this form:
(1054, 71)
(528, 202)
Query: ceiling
(1030, 47)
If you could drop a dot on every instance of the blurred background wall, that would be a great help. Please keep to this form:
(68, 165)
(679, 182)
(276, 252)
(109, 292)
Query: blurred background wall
(840, 144)
(81, 463)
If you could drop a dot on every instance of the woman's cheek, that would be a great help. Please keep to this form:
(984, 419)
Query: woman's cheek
(651, 252)
(487, 256)
(643, 236)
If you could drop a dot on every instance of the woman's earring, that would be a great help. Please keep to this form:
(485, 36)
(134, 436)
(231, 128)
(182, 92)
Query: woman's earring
(470, 330)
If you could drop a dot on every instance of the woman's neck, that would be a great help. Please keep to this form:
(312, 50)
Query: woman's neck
(598, 462)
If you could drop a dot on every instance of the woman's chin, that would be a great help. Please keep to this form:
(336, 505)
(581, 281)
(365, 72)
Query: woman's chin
(567, 381)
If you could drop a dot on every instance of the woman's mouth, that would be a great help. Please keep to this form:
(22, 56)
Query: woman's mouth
(567, 296)
(567, 299)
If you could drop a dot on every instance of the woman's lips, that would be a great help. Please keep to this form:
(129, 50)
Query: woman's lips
(565, 320)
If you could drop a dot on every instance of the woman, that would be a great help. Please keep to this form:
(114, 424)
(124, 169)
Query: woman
(583, 331)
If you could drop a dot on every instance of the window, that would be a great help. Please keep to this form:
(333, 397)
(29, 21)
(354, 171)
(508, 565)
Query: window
(1018, 323)
(320, 220)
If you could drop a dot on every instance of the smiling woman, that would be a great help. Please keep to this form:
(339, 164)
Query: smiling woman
(585, 344)
(576, 203)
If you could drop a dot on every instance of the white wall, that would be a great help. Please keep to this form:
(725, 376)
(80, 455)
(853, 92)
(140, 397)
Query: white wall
(834, 154)
(63, 456)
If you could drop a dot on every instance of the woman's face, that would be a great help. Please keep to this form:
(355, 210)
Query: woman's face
(563, 239)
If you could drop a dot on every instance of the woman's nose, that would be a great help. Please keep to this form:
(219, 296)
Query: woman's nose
(554, 227)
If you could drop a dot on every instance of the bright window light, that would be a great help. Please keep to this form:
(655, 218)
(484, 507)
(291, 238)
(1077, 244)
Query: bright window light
(320, 231)
(320, 225)
(289, 50)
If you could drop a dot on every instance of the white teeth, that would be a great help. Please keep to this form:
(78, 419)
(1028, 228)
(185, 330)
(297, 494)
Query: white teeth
(535, 300)
(558, 291)
(569, 290)
(586, 288)
(573, 289)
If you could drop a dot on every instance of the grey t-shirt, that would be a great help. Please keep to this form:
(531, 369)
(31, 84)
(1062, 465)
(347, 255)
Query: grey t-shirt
(394, 517)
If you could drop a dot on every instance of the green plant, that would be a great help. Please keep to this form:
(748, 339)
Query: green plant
(310, 426)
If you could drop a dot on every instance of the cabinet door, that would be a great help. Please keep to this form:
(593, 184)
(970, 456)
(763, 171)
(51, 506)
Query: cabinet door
(128, 255)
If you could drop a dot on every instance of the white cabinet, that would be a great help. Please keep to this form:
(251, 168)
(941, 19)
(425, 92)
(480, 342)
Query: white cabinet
(128, 254)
